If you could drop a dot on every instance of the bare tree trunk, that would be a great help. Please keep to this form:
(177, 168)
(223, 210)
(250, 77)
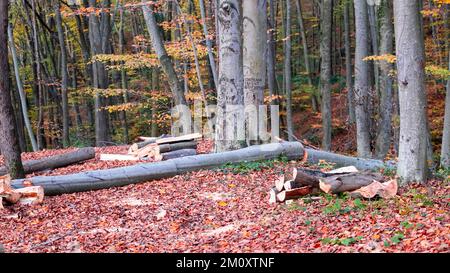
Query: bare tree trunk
(230, 129)
(348, 65)
(298, 4)
(9, 143)
(288, 72)
(23, 99)
(166, 63)
(212, 61)
(412, 164)
(384, 136)
(362, 86)
(64, 75)
(254, 58)
(445, 147)
(325, 70)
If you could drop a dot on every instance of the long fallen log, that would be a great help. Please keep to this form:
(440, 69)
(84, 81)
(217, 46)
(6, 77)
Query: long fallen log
(57, 161)
(171, 147)
(314, 156)
(102, 179)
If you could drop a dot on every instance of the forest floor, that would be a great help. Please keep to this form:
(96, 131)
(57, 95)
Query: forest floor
(224, 210)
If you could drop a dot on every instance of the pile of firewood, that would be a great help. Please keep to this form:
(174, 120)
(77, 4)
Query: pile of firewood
(28, 195)
(163, 148)
(305, 182)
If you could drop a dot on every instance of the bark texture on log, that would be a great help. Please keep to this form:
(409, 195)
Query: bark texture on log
(102, 179)
(56, 161)
(314, 156)
(171, 147)
(293, 194)
(348, 182)
(176, 154)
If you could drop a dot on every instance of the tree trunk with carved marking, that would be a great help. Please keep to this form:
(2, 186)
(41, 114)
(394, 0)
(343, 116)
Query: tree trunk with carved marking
(230, 125)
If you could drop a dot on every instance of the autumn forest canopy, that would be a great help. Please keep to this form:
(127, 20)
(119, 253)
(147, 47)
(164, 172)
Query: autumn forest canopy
(360, 84)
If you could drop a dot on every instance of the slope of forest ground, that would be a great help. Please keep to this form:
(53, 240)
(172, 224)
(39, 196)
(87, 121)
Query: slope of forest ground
(224, 210)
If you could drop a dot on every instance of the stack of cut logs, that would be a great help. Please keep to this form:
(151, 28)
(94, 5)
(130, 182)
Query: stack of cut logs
(305, 182)
(29, 195)
(163, 148)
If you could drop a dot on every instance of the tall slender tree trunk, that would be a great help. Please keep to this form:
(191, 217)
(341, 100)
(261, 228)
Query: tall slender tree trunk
(9, 143)
(445, 147)
(254, 49)
(23, 99)
(288, 72)
(384, 136)
(212, 61)
(362, 86)
(230, 124)
(314, 102)
(166, 63)
(412, 165)
(325, 70)
(64, 75)
(348, 65)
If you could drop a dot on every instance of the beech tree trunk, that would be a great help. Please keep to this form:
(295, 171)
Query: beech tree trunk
(384, 136)
(254, 62)
(64, 75)
(362, 85)
(9, 143)
(348, 65)
(166, 63)
(445, 147)
(230, 125)
(325, 71)
(23, 98)
(288, 72)
(412, 164)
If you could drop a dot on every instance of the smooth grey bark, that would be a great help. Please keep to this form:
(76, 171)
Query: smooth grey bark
(412, 164)
(445, 147)
(348, 65)
(230, 124)
(99, 38)
(271, 60)
(362, 86)
(384, 136)
(166, 63)
(56, 161)
(307, 65)
(212, 61)
(254, 65)
(64, 74)
(95, 180)
(123, 72)
(9, 143)
(325, 70)
(288, 72)
(23, 99)
(374, 40)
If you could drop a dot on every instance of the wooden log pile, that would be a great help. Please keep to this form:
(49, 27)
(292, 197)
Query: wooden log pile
(29, 195)
(304, 182)
(161, 149)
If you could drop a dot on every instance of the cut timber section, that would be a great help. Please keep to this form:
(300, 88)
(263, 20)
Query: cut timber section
(57, 161)
(27, 195)
(118, 157)
(102, 179)
(178, 139)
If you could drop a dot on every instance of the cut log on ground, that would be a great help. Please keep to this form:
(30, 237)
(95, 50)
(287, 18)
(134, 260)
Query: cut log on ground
(118, 157)
(293, 194)
(171, 147)
(27, 195)
(175, 154)
(279, 184)
(190, 137)
(57, 161)
(102, 179)
(384, 190)
(348, 182)
(136, 146)
(273, 195)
